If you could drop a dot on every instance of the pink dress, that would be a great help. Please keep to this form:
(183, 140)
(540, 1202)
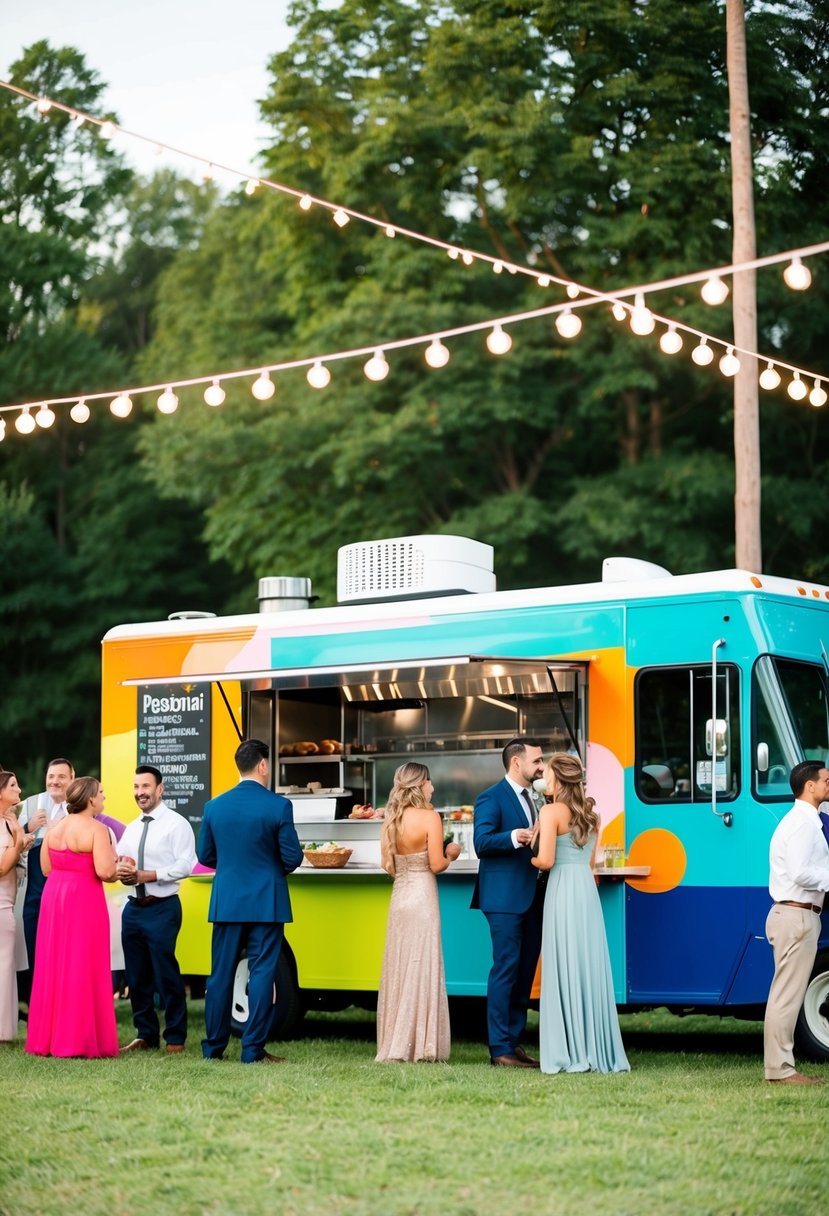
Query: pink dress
(71, 1011)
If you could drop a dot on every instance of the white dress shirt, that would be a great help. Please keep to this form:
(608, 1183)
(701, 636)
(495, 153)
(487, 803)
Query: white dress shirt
(169, 849)
(43, 801)
(519, 794)
(799, 857)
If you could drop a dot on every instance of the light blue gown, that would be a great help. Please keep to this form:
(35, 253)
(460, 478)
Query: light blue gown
(579, 1028)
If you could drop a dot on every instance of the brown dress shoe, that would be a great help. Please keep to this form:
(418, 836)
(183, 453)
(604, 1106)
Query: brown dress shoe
(521, 1054)
(138, 1045)
(510, 1061)
(174, 1049)
(267, 1058)
(795, 1078)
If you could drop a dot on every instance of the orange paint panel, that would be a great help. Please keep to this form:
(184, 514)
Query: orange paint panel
(665, 854)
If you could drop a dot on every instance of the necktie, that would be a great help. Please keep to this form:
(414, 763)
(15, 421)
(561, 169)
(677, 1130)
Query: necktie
(140, 889)
(530, 806)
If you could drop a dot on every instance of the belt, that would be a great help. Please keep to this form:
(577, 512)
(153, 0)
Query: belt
(144, 901)
(794, 903)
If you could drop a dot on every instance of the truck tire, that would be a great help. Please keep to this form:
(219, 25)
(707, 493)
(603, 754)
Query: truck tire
(811, 1034)
(288, 1010)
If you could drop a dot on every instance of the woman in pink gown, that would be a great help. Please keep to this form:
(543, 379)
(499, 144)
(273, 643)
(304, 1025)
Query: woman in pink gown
(71, 1011)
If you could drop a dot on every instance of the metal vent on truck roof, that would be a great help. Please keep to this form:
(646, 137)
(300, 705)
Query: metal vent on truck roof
(631, 570)
(411, 567)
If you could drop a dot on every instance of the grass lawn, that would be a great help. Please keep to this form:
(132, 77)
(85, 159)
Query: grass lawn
(692, 1129)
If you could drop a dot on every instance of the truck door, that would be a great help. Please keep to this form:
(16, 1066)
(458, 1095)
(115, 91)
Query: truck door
(686, 926)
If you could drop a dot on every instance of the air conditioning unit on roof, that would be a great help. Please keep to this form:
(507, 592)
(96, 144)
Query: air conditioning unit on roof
(413, 567)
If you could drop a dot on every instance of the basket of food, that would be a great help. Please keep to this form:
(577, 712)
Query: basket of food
(328, 856)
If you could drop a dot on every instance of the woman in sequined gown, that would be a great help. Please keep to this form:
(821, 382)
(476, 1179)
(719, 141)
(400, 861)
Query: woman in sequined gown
(412, 1009)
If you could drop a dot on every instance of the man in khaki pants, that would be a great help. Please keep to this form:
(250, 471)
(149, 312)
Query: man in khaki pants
(798, 878)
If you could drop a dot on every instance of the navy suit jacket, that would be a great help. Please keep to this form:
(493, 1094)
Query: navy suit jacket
(247, 835)
(507, 879)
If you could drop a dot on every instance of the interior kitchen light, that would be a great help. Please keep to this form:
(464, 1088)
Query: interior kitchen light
(263, 388)
(437, 355)
(797, 276)
(214, 394)
(498, 341)
(769, 377)
(714, 291)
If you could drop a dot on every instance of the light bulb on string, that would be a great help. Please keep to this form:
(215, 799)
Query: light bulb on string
(797, 389)
(79, 412)
(543, 280)
(376, 368)
(454, 254)
(436, 355)
(714, 291)
(671, 342)
(121, 406)
(641, 319)
(573, 291)
(497, 267)
(306, 202)
(769, 377)
(512, 269)
(391, 232)
(207, 175)
(318, 376)
(467, 258)
(729, 363)
(619, 311)
(340, 218)
(214, 394)
(44, 105)
(250, 185)
(168, 402)
(45, 417)
(568, 324)
(498, 341)
(107, 129)
(702, 354)
(78, 120)
(797, 276)
(817, 397)
(2, 429)
(24, 423)
(263, 388)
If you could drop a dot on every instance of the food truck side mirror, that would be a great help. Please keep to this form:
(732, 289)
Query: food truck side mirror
(716, 737)
(762, 757)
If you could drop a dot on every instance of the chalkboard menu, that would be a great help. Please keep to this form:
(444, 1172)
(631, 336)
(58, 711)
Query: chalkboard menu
(174, 735)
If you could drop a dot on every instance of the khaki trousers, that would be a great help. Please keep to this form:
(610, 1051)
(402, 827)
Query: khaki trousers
(793, 934)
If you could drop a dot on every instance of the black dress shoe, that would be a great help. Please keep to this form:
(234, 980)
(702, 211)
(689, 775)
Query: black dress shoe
(510, 1061)
(521, 1054)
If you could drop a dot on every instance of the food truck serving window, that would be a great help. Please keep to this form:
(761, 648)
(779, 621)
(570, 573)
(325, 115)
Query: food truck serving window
(674, 760)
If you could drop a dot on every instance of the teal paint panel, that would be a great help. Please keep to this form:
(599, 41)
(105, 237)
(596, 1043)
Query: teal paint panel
(467, 947)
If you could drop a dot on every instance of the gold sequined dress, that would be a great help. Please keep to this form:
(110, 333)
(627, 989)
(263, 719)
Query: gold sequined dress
(412, 1009)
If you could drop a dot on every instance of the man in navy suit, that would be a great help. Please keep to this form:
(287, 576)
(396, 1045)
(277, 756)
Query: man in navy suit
(510, 896)
(247, 835)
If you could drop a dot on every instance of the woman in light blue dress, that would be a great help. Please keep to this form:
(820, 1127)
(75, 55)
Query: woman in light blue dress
(579, 1028)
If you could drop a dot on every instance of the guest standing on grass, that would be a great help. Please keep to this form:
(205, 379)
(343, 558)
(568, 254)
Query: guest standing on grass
(798, 879)
(248, 836)
(162, 849)
(412, 1007)
(71, 1011)
(13, 842)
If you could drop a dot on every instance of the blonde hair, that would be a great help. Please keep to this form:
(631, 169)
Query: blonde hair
(407, 791)
(564, 774)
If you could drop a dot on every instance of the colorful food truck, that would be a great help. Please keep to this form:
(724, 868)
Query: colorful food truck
(688, 698)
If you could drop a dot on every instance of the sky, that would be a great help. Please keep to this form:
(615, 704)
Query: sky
(186, 72)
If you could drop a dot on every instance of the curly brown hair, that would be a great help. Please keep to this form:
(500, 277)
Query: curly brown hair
(565, 783)
(80, 793)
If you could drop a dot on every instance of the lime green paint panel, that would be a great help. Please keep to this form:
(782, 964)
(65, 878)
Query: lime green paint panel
(194, 940)
(339, 929)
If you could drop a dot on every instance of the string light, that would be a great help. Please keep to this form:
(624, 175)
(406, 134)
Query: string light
(167, 402)
(714, 291)
(121, 406)
(670, 342)
(263, 388)
(214, 394)
(391, 231)
(78, 120)
(24, 423)
(454, 254)
(44, 105)
(497, 267)
(817, 396)
(376, 368)
(341, 217)
(2, 429)
(107, 129)
(568, 324)
(79, 412)
(306, 202)
(543, 280)
(620, 313)
(45, 417)
(641, 319)
(797, 389)
(573, 291)
(250, 185)
(437, 355)
(729, 363)
(318, 376)
(702, 354)
(797, 276)
(499, 341)
(467, 258)
(769, 377)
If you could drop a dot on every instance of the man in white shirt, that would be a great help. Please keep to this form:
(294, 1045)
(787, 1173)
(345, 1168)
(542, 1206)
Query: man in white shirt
(38, 813)
(798, 879)
(162, 849)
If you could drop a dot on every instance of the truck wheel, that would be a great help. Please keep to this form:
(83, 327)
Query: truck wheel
(288, 1010)
(811, 1034)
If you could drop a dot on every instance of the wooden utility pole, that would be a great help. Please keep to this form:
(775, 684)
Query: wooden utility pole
(749, 554)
